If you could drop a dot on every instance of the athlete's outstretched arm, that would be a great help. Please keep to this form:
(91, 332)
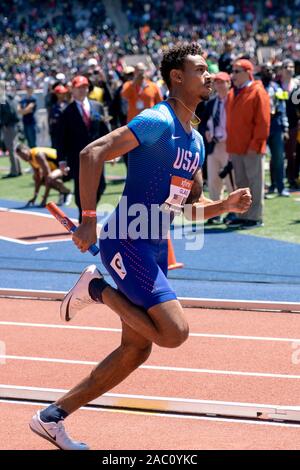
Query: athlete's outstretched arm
(204, 208)
(197, 200)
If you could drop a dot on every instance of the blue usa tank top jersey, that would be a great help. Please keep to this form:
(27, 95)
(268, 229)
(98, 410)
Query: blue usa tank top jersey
(159, 179)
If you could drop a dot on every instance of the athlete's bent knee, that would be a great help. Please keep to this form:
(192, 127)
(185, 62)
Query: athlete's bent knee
(174, 338)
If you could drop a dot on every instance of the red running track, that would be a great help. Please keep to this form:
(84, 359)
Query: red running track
(30, 228)
(212, 359)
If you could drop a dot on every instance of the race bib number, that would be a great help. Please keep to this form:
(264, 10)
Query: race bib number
(180, 189)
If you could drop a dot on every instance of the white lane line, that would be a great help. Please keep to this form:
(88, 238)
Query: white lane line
(13, 240)
(28, 212)
(23, 242)
(20, 242)
(57, 326)
(165, 368)
(118, 330)
(166, 415)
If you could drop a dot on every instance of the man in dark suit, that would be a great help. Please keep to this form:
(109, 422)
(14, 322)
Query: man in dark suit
(81, 122)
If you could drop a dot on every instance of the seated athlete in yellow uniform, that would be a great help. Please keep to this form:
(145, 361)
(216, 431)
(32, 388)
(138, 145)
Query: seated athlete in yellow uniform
(46, 171)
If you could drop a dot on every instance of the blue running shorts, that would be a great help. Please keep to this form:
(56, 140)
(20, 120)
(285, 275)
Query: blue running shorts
(139, 269)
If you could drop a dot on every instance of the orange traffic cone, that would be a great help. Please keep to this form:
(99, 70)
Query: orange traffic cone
(172, 263)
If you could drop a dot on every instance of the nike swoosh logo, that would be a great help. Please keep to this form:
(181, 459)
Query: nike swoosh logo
(67, 310)
(175, 137)
(52, 437)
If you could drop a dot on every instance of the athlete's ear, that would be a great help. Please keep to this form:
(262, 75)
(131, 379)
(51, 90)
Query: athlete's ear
(176, 76)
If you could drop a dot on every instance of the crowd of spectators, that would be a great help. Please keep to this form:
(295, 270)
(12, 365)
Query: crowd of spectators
(42, 38)
(44, 45)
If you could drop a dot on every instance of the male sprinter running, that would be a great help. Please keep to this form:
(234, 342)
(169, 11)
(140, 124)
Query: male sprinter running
(162, 145)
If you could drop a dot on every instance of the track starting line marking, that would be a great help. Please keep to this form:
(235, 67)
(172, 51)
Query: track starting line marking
(162, 404)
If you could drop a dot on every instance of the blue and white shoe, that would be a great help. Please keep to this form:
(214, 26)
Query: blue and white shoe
(55, 433)
(78, 297)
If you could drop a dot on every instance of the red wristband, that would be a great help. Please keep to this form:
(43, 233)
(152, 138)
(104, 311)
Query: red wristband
(89, 214)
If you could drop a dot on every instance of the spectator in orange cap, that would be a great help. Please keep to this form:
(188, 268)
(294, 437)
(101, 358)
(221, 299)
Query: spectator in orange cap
(248, 125)
(56, 110)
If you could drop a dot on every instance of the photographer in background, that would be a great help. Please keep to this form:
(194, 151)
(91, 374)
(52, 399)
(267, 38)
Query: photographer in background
(99, 89)
(217, 159)
(279, 130)
(227, 58)
(290, 84)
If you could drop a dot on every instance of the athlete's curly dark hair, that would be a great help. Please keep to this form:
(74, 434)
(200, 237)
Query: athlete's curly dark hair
(175, 56)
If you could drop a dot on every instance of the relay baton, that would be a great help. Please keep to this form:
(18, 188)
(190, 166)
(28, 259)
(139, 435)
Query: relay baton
(67, 223)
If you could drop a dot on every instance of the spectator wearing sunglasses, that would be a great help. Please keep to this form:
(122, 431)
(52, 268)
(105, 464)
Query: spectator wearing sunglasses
(248, 124)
